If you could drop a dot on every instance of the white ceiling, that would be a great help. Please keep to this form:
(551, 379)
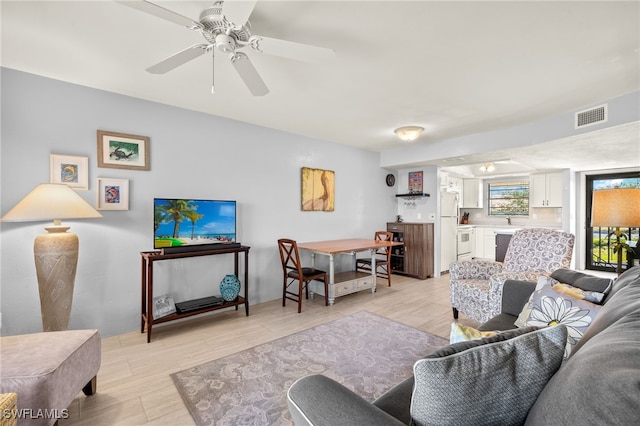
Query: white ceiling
(455, 68)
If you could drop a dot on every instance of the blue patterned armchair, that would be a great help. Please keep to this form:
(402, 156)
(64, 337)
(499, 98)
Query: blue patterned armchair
(476, 285)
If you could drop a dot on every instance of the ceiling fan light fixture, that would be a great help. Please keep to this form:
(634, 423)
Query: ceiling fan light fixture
(408, 133)
(487, 167)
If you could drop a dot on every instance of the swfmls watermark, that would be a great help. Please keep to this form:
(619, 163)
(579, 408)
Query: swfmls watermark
(30, 413)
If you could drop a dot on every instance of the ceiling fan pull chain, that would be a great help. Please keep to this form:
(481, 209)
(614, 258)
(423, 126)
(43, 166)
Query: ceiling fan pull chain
(213, 71)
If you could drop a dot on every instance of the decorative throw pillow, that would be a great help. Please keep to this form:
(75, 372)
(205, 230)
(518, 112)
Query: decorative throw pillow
(550, 307)
(463, 333)
(526, 309)
(490, 381)
(578, 293)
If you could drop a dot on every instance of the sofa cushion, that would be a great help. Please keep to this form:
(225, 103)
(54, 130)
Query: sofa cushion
(617, 305)
(499, 322)
(581, 280)
(494, 380)
(550, 307)
(630, 277)
(597, 385)
(397, 400)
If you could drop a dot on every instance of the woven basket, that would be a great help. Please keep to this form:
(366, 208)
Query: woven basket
(7, 409)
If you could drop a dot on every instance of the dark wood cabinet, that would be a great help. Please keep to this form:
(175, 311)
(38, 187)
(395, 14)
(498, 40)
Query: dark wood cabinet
(415, 257)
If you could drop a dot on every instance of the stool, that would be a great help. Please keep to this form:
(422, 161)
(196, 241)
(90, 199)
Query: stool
(47, 370)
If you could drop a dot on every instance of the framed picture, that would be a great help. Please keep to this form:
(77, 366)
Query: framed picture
(318, 189)
(74, 171)
(122, 151)
(163, 306)
(112, 194)
(415, 182)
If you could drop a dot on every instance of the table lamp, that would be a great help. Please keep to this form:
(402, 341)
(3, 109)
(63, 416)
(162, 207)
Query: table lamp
(56, 252)
(616, 208)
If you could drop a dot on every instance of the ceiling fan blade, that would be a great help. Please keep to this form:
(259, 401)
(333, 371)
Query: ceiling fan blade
(161, 12)
(238, 11)
(248, 74)
(179, 58)
(291, 50)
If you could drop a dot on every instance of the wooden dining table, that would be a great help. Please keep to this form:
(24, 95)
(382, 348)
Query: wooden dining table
(347, 282)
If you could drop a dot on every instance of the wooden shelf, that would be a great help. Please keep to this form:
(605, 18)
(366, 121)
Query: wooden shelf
(175, 316)
(149, 257)
(413, 195)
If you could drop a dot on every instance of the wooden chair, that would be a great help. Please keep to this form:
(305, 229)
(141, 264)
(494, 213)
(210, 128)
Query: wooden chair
(383, 258)
(293, 271)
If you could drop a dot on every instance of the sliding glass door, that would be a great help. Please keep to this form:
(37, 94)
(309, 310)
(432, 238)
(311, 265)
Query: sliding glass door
(600, 240)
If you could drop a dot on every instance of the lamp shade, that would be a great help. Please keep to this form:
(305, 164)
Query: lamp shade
(619, 207)
(51, 201)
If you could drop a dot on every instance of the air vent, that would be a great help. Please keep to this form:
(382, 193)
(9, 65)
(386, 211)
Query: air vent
(591, 116)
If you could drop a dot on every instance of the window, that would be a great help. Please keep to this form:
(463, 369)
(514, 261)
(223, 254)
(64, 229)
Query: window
(599, 240)
(510, 198)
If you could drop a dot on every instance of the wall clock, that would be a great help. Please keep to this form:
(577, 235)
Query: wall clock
(391, 180)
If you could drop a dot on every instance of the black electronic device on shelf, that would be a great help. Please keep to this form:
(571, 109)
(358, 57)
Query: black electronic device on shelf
(196, 304)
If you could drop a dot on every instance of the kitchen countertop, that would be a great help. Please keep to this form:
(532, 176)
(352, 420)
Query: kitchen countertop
(505, 229)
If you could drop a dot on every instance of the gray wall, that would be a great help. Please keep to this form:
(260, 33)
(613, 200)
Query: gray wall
(193, 155)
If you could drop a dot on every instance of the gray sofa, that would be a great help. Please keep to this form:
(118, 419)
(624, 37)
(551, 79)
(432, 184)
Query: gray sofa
(598, 384)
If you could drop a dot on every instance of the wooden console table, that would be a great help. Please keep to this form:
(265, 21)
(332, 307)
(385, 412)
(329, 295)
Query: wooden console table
(149, 257)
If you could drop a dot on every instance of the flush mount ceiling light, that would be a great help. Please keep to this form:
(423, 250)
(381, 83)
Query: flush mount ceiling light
(487, 167)
(408, 133)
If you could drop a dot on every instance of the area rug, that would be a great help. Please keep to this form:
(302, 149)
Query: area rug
(365, 352)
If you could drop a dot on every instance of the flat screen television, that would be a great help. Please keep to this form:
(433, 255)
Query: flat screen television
(196, 224)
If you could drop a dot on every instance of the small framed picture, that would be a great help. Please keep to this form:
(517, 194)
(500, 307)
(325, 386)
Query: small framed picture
(163, 306)
(415, 182)
(73, 171)
(112, 194)
(123, 151)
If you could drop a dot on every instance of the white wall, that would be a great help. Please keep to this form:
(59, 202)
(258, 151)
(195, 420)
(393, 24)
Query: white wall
(193, 155)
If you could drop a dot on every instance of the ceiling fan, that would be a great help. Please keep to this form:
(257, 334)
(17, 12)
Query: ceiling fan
(226, 28)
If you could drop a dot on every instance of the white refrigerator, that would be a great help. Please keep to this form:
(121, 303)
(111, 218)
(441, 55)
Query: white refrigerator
(448, 228)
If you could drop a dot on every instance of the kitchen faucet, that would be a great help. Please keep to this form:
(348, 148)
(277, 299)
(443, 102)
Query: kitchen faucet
(508, 220)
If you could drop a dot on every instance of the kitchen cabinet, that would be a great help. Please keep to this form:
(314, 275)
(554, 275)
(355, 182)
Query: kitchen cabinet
(478, 246)
(473, 238)
(485, 243)
(545, 190)
(472, 193)
(489, 245)
(450, 183)
(415, 257)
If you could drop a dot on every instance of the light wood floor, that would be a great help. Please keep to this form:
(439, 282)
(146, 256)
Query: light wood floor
(134, 387)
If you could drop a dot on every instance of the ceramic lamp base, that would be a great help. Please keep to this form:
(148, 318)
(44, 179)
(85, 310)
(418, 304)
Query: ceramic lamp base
(56, 257)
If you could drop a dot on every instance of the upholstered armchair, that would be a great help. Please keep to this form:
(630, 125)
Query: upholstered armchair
(476, 285)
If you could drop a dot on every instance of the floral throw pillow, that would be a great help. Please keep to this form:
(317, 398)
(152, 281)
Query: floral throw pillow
(526, 309)
(550, 307)
(464, 333)
(578, 293)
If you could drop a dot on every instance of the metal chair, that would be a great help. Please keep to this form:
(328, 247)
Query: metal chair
(293, 271)
(383, 258)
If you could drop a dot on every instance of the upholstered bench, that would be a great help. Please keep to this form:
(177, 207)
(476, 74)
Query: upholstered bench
(48, 370)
